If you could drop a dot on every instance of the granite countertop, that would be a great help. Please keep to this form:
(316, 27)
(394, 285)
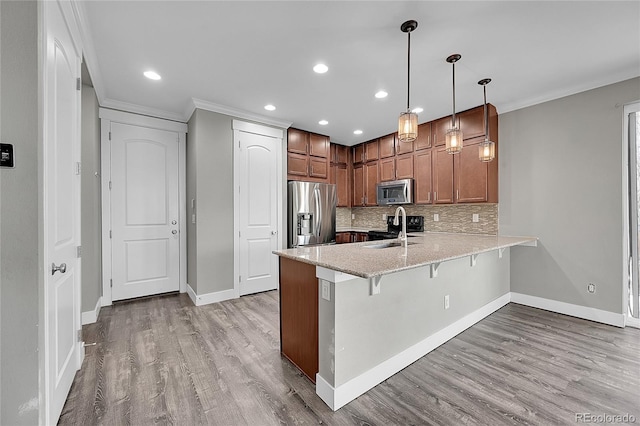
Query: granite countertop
(424, 249)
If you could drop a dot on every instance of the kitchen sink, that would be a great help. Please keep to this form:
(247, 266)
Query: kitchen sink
(388, 244)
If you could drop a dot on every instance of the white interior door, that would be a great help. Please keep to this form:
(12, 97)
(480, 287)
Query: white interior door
(258, 212)
(61, 211)
(145, 219)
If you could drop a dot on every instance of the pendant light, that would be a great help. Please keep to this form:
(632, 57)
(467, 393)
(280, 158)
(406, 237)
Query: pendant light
(408, 121)
(453, 137)
(487, 149)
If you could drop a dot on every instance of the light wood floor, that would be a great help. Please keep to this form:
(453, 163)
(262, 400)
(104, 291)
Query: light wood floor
(164, 361)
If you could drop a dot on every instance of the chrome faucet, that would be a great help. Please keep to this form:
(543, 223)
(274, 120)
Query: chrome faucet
(402, 236)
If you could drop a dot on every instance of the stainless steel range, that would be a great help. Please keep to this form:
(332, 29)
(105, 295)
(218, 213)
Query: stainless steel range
(414, 224)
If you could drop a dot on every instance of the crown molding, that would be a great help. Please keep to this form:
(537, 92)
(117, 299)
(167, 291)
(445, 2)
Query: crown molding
(142, 110)
(234, 112)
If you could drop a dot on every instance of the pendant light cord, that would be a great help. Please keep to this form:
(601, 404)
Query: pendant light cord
(486, 115)
(453, 116)
(408, 66)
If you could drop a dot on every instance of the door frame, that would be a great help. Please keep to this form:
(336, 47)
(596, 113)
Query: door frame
(108, 116)
(239, 126)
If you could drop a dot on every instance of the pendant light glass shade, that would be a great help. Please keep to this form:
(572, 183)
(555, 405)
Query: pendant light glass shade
(408, 121)
(408, 127)
(487, 149)
(453, 137)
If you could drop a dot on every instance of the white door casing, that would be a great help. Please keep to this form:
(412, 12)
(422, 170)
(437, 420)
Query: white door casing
(144, 205)
(144, 211)
(61, 207)
(258, 206)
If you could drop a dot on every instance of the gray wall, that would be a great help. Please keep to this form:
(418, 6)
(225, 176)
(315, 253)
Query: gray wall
(210, 150)
(561, 177)
(19, 259)
(90, 204)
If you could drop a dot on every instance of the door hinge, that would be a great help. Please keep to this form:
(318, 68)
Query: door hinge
(239, 145)
(79, 335)
(109, 134)
(79, 252)
(78, 83)
(109, 184)
(110, 234)
(239, 233)
(239, 278)
(78, 167)
(111, 283)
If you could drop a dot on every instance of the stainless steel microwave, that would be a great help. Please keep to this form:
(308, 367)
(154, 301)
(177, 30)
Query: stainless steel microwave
(395, 192)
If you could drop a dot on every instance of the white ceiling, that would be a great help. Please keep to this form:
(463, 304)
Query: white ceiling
(244, 55)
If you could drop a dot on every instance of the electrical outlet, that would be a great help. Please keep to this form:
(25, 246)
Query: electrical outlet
(353, 217)
(475, 218)
(436, 217)
(193, 218)
(326, 290)
(446, 301)
(591, 288)
(384, 217)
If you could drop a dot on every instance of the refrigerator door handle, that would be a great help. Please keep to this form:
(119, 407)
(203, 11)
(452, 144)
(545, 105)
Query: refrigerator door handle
(318, 213)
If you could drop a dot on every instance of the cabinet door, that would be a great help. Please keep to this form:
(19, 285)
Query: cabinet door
(318, 167)
(371, 179)
(422, 175)
(342, 185)
(318, 145)
(358, 186)
(387, 146)
(472, 123)
(442, 176)
(297, 141)
(297, 164)
(371, 150)
(470, 175)
(424, 137)
(405, 147)
(439, 129)
(343, 237)
(341, 154)
(387, 169)
(358, 153)
(362, 237)
(404, 166)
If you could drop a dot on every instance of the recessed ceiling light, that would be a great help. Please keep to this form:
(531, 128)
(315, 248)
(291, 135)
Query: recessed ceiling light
(152, 75)
(323, 122)
(269, 107)
(321, 68)
(381, 94)
(357, 132)
(417, 110)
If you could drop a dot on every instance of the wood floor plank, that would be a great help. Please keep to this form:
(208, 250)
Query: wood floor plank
(162, 360)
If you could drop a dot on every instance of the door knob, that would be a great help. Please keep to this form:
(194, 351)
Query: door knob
(173, 222)
(62, 268)
(174, 232)
(274, 232)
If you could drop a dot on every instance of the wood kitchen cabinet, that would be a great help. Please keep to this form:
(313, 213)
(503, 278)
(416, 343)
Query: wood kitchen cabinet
(372, 150)
(470, 175)
(359, 237)
(439, 129)
(299, 315)
(442, 163)
(340, 177)
(422, 187)
(339, 154)
(343, 237)
(472, 123)
(387, 168)
(404, 166)
(387, 146)
(405, 147)
(307, 156)
(423, 141)
(358, 186)
(358, 154)
(371, 179)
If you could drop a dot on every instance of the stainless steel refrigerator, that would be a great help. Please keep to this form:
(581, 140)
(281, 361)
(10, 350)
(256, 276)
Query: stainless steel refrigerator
(312, 213)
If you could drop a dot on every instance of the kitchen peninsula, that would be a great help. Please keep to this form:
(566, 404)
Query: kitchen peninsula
(352, 315)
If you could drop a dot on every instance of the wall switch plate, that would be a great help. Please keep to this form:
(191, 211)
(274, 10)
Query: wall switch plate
(446, 301)
(436, 217)
(353, 216)
(475, 218)
(6, 155)
(193, 218)
(326, 290)
(591, 288)
(384, 216)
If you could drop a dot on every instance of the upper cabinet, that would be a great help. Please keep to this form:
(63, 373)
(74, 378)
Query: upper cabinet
(424, 137)
(340, 174)
(339, 154)
(307, 156)
(387, 146)
(372, 150)
(472, 123)
(439, 129)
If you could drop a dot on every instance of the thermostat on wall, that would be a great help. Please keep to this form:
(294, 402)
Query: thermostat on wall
(6, 155)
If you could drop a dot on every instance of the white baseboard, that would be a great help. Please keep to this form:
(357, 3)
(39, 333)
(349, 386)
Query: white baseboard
(584, 312)
(206, 299)
(92, 316)
(336, 397)
(632, 322)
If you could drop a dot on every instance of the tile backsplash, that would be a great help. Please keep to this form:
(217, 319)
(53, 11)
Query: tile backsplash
(452, 218)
